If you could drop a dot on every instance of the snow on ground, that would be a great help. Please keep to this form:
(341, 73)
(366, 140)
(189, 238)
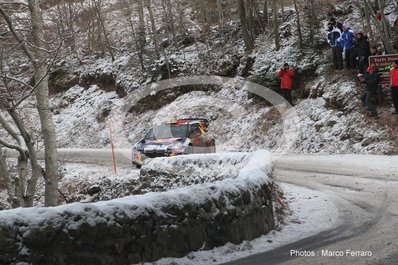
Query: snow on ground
(311, 213)
(82, 114)
(162, 174)
(89, 183)
(333, 122)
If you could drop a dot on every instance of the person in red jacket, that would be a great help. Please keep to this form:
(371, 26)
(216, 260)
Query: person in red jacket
(286, 75)
(394, 85)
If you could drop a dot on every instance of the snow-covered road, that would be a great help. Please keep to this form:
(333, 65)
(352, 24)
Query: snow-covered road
(364, 188)
(367, 210)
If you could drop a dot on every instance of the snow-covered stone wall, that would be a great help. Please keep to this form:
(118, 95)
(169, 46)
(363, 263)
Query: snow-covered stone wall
(150, 226)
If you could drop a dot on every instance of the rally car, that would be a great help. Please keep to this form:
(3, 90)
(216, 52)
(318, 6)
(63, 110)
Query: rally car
(177, 137)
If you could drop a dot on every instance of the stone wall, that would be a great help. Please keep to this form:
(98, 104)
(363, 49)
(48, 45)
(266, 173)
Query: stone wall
(144, 227)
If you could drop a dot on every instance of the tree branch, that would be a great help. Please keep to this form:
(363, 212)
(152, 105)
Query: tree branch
(8, 128)
(15, 147)
(16, 36)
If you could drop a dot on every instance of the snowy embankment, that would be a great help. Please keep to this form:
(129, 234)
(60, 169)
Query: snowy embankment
(174, 222)
(331, 120)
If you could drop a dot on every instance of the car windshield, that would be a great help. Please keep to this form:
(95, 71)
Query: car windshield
(167, 131)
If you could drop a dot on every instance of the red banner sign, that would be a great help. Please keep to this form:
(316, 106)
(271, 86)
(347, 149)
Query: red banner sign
(383, 64)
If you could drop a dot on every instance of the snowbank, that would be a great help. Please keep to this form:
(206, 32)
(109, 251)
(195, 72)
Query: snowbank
(168, 173)
(146, 227)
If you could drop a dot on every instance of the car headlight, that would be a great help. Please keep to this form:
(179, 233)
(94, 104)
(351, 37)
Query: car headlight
(176, 146)
(138, 146)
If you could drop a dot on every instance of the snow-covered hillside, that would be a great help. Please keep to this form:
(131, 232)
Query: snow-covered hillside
(332, 118)
(330, 123)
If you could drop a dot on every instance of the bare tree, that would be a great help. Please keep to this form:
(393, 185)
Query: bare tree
(247, 38)
(37, 54)
(220, 10)
(300, 36)
(98, 11)
(4, 174)
(265, 11)
(153, 28)
(137, 38)
(383, 27)
(24, 187)
(141, 24)
(169, 17)
(312, 18)
(181, 16)
(275, 23)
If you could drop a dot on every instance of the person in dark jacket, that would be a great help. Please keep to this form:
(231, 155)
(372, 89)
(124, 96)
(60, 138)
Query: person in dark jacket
(371, 79)
(347, 38)
(286, 75)
(334, 40)
(363, 49)
(374, 51)
(337, 24)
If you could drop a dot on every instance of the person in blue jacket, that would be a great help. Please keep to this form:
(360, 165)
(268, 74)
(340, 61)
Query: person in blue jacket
(334, 40)
(347, 39)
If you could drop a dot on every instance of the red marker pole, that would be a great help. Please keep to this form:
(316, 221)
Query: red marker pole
(113, 149)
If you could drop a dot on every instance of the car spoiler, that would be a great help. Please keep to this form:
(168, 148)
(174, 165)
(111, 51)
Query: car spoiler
(205, 121)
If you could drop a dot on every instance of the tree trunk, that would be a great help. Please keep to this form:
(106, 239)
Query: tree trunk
(71, 29)
(153, 28)
(298, 24)
(4, 175)
(46, 119)
(265, 11)
(19, 192)
(181, 20)
(205, 19)
(31, 183)
(250, 19)
(313, 21)
(171, 17)
(141, 24)
(249, 43)
(386, 40)
(220, 13)
(367, 17)
(104, 31)
(386, 27)
(275, 23)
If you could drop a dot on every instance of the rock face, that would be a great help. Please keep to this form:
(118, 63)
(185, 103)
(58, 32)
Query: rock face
(145, 227)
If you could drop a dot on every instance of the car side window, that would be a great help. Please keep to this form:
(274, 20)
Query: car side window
(194, 131)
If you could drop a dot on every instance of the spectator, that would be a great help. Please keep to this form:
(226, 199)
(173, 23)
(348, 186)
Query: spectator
(334, 40)
(347, 38)
(374, 51)
(354, 52)
(363, 52)
(286, 75)
(337, 24)
(394, 85)
(371, 79)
